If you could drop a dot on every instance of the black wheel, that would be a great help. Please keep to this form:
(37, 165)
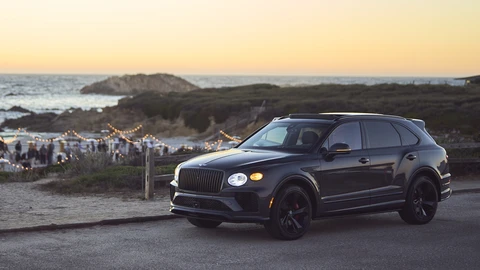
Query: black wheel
(421, 202)
(290, 215)
(203, 223)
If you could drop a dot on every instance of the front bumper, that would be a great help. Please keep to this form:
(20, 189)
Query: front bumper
(242, 205)
(445, 190)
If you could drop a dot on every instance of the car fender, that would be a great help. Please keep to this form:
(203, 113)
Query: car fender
(313, 189)
(428, 171)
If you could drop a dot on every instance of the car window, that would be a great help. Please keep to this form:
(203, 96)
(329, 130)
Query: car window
(272, 137)
(286, 136)
(381, 134)
(348, 133)
(408, 138)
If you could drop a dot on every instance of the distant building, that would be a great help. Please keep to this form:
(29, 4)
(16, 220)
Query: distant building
(470, 80)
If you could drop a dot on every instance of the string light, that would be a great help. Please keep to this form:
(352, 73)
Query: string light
(124, 131)
(219, 145)
(16, 166)
(208, 146)
(11, 140)
(230, 137)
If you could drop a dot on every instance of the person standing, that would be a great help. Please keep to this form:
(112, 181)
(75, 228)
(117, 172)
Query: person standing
(18, 151)
(50, 149)
(36, 154)
(93, 146)
(18, 147)
(43, 154)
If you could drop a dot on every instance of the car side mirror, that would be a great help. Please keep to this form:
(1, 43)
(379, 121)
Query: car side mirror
(338, 149)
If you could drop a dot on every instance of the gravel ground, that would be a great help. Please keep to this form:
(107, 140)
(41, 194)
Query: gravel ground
(24, 205)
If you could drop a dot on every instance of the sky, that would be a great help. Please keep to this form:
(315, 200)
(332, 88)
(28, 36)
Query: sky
(248, 37)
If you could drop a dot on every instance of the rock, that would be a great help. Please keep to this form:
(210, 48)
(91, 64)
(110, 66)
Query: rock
(18, 109)
(136, 84)
(37, 122)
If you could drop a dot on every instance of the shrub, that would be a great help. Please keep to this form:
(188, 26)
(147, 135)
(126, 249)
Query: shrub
(4, 176)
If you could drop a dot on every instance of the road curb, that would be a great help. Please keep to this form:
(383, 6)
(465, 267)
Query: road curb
(117, 221)
(462, 191)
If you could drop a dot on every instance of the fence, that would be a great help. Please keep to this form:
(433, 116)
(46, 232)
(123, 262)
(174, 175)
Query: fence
(151, 178)
(458, 166)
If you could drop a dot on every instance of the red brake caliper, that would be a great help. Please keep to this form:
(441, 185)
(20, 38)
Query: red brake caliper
(296, 206)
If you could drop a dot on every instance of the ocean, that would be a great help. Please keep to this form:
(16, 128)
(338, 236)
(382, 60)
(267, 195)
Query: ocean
(57, 93)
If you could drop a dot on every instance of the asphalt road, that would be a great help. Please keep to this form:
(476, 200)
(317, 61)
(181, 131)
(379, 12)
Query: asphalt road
(382, 241)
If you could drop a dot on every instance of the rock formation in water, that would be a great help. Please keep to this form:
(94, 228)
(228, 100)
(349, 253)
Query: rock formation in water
(136, 84)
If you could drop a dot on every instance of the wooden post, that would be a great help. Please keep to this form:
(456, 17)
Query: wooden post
(149, 173)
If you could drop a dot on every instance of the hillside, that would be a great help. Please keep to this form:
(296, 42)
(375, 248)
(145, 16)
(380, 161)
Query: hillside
(443, 107)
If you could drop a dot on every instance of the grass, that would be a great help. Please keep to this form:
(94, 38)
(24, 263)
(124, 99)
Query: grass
(111, 179)
(4, 177)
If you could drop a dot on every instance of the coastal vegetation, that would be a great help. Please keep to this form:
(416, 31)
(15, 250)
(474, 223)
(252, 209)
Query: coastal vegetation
(445, 108)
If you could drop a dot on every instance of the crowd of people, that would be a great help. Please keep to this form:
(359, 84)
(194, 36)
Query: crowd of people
(35, 155)
(48, 154)
(45, 154)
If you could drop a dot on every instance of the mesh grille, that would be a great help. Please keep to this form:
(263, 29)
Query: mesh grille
(200, 180)
(201, 203)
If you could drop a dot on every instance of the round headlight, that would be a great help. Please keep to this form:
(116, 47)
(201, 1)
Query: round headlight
(237, 179)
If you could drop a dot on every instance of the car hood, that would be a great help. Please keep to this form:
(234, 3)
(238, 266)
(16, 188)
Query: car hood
(235, 158)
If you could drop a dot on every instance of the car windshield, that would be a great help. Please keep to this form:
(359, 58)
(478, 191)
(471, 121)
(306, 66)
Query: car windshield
(292, 136)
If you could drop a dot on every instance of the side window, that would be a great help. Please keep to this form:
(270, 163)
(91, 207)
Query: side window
(348, 133)
(408, 138)
(381, 134)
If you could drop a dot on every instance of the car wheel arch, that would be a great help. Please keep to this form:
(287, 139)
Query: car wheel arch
(304, 183)
(428, 172)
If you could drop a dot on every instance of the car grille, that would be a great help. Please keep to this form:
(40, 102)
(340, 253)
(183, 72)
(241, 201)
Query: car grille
(201, 203)
(200, 180)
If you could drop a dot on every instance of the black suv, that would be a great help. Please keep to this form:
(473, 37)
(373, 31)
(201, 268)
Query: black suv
(308, 166)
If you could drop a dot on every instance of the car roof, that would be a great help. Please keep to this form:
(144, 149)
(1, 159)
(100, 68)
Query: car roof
(337, 115)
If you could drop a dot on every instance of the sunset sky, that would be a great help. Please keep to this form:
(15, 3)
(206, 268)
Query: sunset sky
(298, 37)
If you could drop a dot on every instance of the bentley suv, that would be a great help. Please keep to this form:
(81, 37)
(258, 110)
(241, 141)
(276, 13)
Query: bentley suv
(310, 166)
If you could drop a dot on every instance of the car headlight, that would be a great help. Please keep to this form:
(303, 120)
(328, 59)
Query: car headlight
(237, 179)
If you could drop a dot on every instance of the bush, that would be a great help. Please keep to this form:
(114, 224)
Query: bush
(86, 163)
(4, 176)
(111, 179)
(114, 178)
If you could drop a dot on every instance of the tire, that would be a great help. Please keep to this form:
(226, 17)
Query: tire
(203, 223)
(421, 202)
(290, 215)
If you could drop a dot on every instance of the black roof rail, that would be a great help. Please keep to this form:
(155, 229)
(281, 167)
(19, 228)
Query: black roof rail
(336, 115)
(312, 116)
(359, 114)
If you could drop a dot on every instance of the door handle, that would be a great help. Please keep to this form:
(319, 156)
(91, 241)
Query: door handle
(411, 157)
(364, 160)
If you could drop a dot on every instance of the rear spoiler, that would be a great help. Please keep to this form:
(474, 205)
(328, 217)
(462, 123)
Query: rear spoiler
(421, 124)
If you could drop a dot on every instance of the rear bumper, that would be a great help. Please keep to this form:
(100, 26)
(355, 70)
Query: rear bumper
(445, 190)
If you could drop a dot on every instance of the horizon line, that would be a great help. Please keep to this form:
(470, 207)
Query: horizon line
(240, 75)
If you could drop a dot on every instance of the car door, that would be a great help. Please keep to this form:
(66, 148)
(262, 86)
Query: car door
(342, 179)
(392, 158)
